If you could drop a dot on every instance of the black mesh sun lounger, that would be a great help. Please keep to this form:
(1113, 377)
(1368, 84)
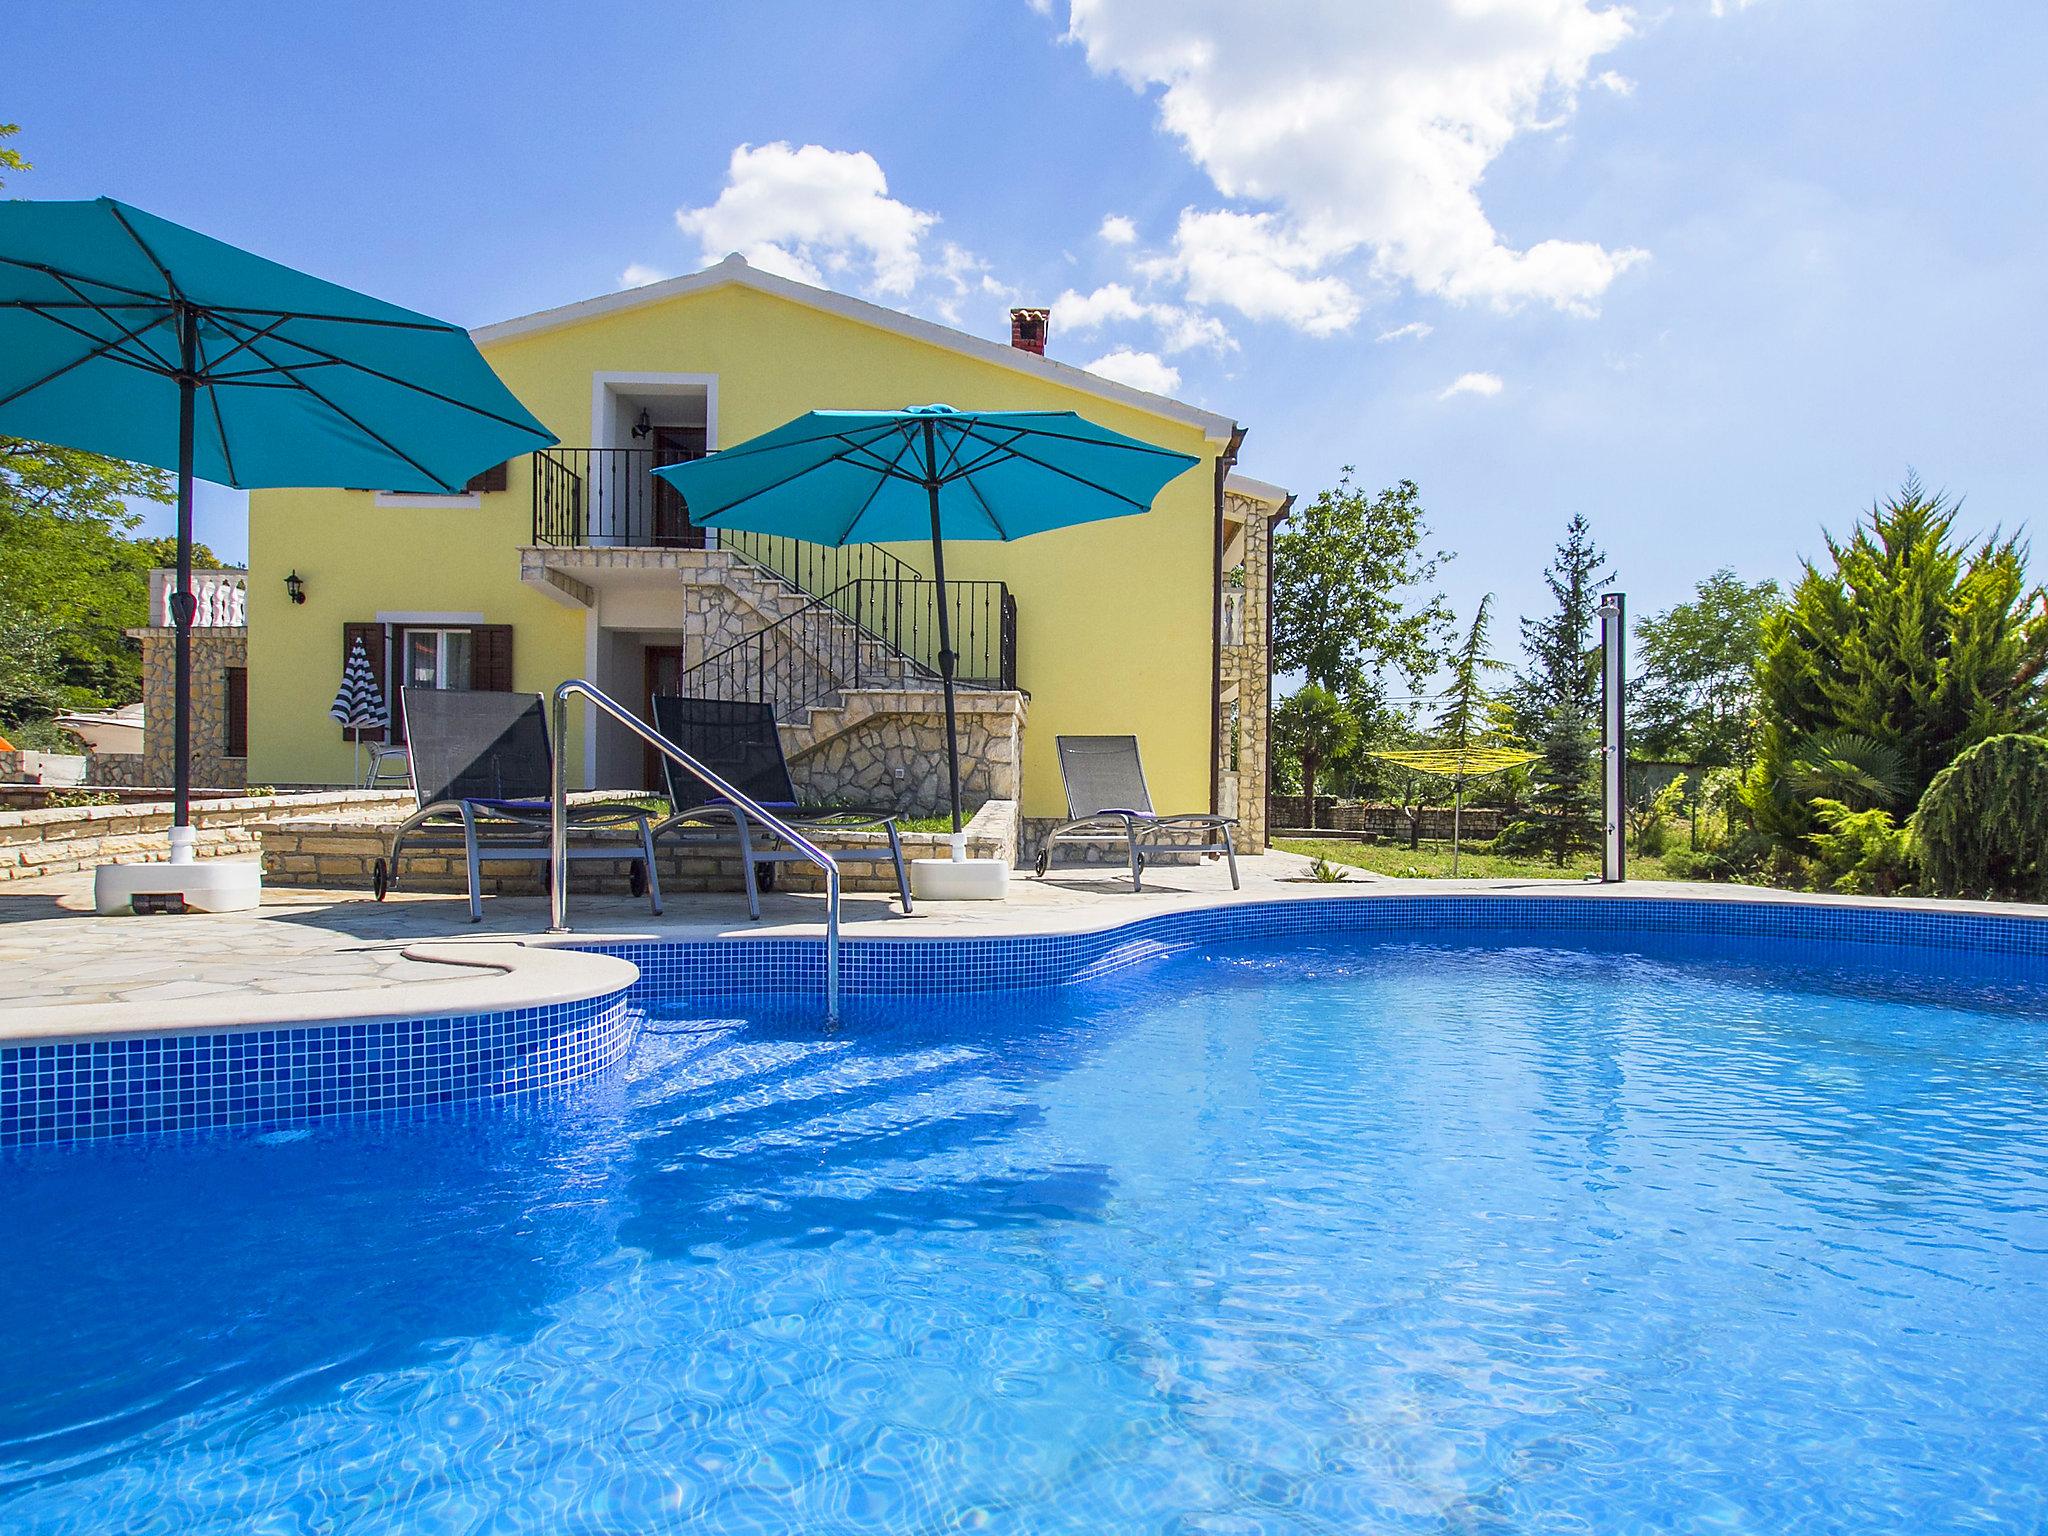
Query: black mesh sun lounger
(737, 740)
(1107, 802)
(480, 769)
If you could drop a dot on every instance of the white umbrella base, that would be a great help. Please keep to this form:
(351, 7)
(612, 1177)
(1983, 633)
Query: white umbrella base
(959, 879)
(217, 885)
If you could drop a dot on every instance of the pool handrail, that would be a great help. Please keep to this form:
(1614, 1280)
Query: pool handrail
(558, 821)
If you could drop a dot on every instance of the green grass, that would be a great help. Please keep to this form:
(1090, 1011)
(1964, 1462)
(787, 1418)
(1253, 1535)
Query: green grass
(1432, 861)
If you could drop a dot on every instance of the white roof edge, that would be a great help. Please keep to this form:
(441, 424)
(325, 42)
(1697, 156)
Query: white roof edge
(735, 269)
(1263, 491)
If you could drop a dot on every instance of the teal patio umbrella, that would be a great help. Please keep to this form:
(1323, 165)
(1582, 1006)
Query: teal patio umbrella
(125, 334)
(929, 472)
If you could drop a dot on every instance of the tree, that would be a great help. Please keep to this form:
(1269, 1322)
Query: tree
(1982, 826)
(1466, 717)
(1350, 598)
(10, 158)
(1907, 638)
(1694, 696)
(68, 565)
(1558, 695)
(1314, 727)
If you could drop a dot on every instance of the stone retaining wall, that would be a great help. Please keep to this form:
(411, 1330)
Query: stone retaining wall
(336, 853)
(1478, 823)
(59, 840)
(893, 753)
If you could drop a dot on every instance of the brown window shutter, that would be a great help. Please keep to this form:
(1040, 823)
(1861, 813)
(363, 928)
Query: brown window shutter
(372, 636)
(236, 724)
(490, 480)
(491, 666)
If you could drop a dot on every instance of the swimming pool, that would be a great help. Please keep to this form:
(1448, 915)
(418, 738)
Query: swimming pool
(1519, 1230)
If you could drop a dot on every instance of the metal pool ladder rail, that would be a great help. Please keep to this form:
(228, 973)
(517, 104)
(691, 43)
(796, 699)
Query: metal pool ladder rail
(558, 822)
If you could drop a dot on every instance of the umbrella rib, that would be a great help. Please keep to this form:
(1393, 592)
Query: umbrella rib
(1128, 445)
(220, 426)
(163, 271)
(73, 286)
(241, 345)
(993, 521)
(965, 476)
(244, 375)
(1055, 469)
(375, 373)
(794, 475)
(147, 361)
(367, 431)
(68, 278)
(861, 511)
(76, 362)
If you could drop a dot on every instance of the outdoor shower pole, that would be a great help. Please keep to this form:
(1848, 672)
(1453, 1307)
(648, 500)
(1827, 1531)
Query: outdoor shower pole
(931, 485)
(1614, 738)
(182, 606)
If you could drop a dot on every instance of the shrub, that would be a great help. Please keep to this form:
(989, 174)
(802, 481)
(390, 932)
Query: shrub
(1521, 837)
(1741, 855)
(1860, 851)
(1982, 826)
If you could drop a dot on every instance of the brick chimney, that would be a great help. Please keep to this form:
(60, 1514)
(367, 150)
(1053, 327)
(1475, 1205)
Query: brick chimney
(1028, 328)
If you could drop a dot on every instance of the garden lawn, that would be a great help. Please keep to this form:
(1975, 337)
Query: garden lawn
(1432, 861)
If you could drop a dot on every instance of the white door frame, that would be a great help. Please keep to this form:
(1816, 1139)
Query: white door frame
(604, 386)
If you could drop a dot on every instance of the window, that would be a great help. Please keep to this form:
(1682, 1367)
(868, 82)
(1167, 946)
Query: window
(439, 658)
(235, 712)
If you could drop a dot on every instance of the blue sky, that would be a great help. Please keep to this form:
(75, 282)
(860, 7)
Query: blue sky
(1715, 274)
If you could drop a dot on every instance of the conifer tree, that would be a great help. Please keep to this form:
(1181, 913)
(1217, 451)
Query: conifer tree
(1557, 701)
(1907, 638)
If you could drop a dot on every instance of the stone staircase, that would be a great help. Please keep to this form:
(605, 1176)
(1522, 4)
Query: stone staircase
(826, 674)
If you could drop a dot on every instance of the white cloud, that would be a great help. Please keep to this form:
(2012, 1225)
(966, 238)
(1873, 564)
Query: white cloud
(1084, 312)
(1367, 129)
(1486, 384)
(1616, 82)
(1251, 262)
(811, 211)
(1414, 330)
(1118, 230)
(1180, 328)
(1140, 370)
(639, 275)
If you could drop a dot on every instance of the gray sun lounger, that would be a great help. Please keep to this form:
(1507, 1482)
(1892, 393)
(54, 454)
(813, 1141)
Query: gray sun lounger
(737, 740)
(1107, 802)
(480, 768)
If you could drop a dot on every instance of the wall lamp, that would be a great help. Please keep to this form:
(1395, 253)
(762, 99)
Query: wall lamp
(643, 426)
(294, 588)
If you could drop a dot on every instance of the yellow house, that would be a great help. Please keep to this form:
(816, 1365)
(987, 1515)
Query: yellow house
(577, 562)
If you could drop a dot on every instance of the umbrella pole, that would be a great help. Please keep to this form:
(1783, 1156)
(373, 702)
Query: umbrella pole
(931, 485)
(182, 839)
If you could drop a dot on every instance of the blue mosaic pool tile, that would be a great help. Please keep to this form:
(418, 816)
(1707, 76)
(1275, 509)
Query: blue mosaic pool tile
(270, 1077)
(2017, 946)
(86, 1089)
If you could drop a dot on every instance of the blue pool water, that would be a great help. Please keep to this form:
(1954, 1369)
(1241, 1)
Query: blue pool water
(1332, 1236)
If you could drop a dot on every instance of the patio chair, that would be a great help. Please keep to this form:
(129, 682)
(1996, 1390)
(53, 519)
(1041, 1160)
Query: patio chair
(1107, 802)
(480, 769)
(738, 741)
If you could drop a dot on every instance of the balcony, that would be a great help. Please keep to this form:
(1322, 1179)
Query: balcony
(220, 598)
(608, 497)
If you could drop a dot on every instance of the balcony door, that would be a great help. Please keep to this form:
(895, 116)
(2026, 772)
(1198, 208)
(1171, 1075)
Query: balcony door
(672, 525)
